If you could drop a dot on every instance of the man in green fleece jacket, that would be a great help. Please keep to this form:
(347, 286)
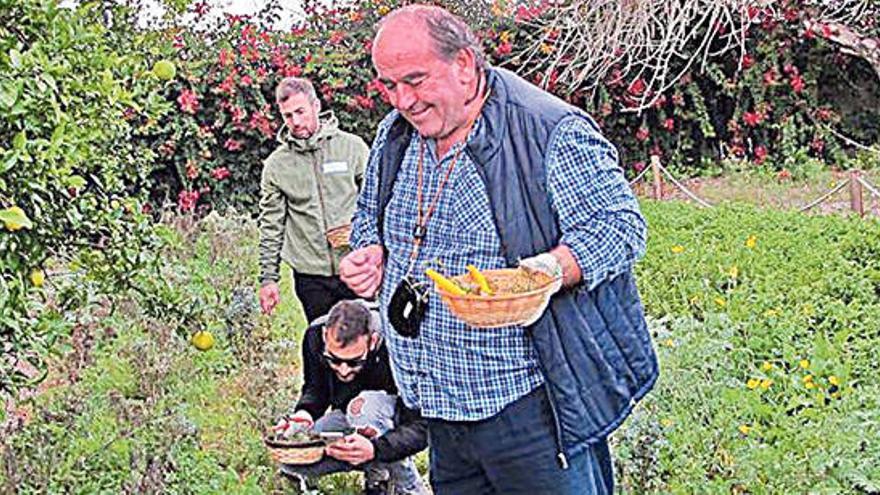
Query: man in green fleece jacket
(309, 186)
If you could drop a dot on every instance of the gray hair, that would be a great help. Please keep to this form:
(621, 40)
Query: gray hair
(295, 85)
(449, 32)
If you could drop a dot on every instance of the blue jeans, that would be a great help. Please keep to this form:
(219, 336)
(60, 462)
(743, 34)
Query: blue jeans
(513, 452)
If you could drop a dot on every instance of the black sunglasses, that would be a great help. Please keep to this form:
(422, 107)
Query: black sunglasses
(351, 363)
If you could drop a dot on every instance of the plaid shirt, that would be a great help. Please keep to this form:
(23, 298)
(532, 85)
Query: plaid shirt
(452, 371)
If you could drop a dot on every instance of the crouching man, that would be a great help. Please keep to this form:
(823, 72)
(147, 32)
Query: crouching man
(348, 385)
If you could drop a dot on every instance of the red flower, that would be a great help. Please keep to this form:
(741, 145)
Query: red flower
(797, 83)
(642, 134)
(227, 86)
(809, 33)
(186, 200)
(669, 124)
(364, 102)
(188, 101)
(824, 114)
(752, 119)
(336, 37)
(790, 69)
(827, 31)
(232, 144)
(226, 57)
(770, 77)
(638, 166)
(760, 154)
(220, 173)
(246, 80)
(368, 46)
(752, 12)
(677, 100)
(192, 171)
(817, 145)
(238, 114)
(261, 73)
(260, 122)
(747, 61)
(637, 87)
(292, 71)
(504, 49)
(661, 100)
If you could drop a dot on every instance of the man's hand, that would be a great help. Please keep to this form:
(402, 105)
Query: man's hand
(362, 270)
(550, 265)
(291, 425)
(270, 295)
(354, 449)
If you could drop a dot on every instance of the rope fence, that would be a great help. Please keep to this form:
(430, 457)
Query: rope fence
(856, 182)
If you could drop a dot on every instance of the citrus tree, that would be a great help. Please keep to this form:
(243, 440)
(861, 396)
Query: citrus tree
(71, 175)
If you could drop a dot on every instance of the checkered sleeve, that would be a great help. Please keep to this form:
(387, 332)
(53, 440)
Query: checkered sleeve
(598, 212)
(364, 231)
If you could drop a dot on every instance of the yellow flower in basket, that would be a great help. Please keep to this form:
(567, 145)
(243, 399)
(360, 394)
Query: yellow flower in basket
(495, 298)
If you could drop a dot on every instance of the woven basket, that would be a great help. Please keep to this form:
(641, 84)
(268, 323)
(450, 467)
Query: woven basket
(504, 308)
(294, 452)
(338, 236)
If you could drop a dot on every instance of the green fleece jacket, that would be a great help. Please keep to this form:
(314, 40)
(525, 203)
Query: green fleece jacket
(308, 186)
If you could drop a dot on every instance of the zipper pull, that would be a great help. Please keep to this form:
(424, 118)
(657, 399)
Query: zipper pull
(563, 462)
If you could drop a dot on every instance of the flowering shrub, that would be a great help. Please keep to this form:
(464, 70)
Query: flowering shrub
(767, 107)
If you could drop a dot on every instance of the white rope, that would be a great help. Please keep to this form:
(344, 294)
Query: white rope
(683, 189)
(825, 196)
(639, 177)
(868, 186)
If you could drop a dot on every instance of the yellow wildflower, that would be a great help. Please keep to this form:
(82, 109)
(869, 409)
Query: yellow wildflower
(666, 422)
(505, 36)
(669, 343)
(745, 429)
(383, 9)
(805, 363)
(771, 313)
(733, 271)
(546, 49)
(833, 380)
(765, 383)
(810, 385)
(835, 395)
(753, 383)
(677, 249)
(720, 301)
(751, 242)
(807, 378)
(766, 366)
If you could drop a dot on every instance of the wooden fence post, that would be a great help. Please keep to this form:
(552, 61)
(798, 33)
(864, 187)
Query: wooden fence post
(658, 178)
(855, 193)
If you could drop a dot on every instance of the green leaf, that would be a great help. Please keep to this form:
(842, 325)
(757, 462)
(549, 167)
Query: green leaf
(16, 217)
(75, 181)
(19, 141)
(15, 58)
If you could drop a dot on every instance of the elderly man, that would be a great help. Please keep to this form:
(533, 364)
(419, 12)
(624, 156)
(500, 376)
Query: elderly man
(477, 166)
(348, 385)
(309, 186)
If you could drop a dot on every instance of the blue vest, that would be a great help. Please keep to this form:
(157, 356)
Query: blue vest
(593, 346)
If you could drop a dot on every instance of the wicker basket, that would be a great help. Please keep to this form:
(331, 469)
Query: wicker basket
(502, 309)
(298, 453)
(338, 236)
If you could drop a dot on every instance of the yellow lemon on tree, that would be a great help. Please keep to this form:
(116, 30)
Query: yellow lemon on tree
(14, 219)
(203, 340)
(164, 70)
(38, 277)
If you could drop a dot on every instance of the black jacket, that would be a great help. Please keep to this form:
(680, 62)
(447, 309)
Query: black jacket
(322, 390)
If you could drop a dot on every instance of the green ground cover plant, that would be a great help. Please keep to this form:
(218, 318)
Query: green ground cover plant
(766, 324)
